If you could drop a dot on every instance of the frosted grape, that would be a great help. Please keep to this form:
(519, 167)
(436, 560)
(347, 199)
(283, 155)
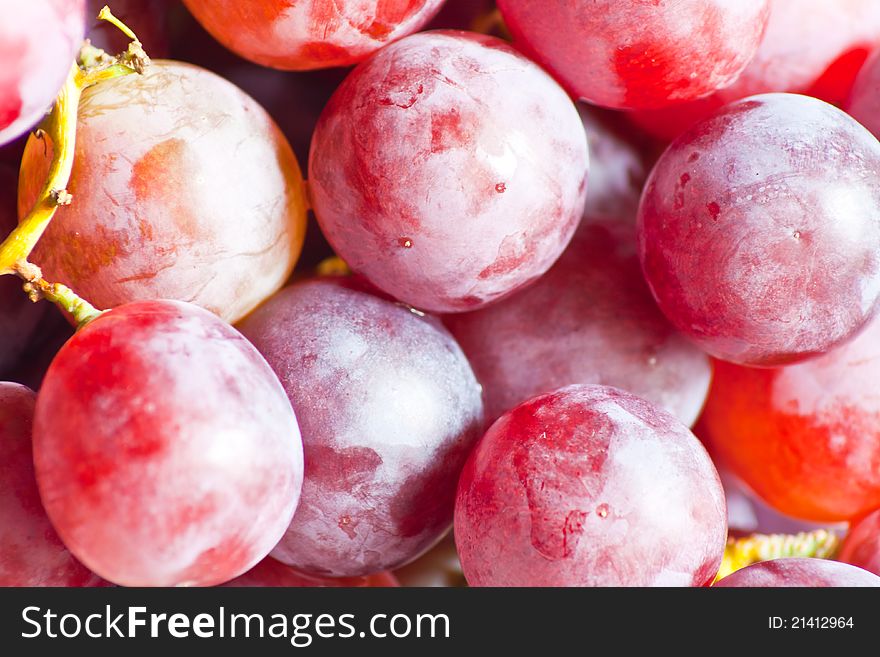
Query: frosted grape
(589, 486)
(759, 230)
(31, 554)
(184, 189)
(39, 40)
(307, 34)
(389, 409)
(449, 170)
(634, 54)
(165, 448)
(805, 573)
(590, 319)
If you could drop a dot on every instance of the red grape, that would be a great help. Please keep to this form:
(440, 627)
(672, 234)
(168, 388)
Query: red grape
(183, 188)
(864, 103)
(166, 450)
(805, 437)
(814, 47)
(31, 554)
(307, 34)
(39, 40)
(449, 170)
(862, 544)
(589, 486)
(759, 231)
(590, 319)
(635, 54)
(795, 572)
(18, 316)
(388, 408)
(270, 572)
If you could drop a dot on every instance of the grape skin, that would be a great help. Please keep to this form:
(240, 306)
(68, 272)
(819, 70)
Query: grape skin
(804, 437)
(449, 170)
(635, 55)
(310, 34)
(270, 572)
(799, 572)
(36, 60)
(759, 230)
(814, 47)
(31, 554)
(18, 316)
(166, 451)
(183, 187)
(590, 319)
(589, 486)
(389, 408)
(862, 544)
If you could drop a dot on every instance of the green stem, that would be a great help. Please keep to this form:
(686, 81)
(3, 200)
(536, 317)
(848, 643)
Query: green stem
(742, 552)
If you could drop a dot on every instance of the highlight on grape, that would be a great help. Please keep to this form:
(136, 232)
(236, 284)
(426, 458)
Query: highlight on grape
(364, 294)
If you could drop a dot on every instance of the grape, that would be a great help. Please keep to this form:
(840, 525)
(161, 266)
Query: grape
(589, 486)
(270, 572)
(806, 437)
(449, 170)
(39, 40)
(31, 554)
(18, 316)
(617, 170)
(795, 572)
(864, 103)
(388, 408)
(814, 47)
(862, 545)
(183, 188)
(759, 230)
(590, 319)
(310, 34)
(166, 451)
(635, 54)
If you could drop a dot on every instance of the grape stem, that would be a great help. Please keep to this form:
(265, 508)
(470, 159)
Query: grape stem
(742, 552)
(37, 288)
(59, 128)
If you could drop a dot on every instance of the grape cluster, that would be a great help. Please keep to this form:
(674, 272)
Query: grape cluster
(535, 294)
